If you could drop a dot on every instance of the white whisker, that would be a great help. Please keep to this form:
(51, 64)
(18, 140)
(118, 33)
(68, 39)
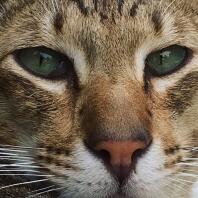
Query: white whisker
(20, 165)
(23, 183)
(11, 150)
(189, 149)
(178, 181)
(183, 180)
(21, 147)
(25, 163)
(46, 188)
(188, 174)
(15, 157)
(8, 154)
(51, 190)
(26, 175)
(195, 164)
(163, 14)
(181, 188)
(26, 170)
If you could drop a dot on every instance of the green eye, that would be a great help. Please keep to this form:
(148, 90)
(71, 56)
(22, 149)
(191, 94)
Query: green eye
(44, 62)
(166, 60)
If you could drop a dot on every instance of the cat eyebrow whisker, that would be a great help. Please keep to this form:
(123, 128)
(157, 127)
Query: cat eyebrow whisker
(24, 183)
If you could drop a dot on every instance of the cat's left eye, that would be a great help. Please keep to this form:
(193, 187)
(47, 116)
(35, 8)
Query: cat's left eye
(167, 60)
(44, 62)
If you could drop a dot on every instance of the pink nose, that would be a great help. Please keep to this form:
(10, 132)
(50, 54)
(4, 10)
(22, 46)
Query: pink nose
(121, 155)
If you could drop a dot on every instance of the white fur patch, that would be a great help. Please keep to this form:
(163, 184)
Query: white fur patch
(80, 64)
(195, 190)
(91, 180)
(148, 181)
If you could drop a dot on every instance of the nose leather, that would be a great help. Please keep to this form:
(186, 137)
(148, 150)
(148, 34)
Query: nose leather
(120, 152)
(122, 156)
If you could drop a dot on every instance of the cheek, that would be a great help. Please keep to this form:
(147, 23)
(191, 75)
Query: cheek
(91, 177)
(151, 168)
(181, 97)
(57, 127)
(19, 106)
(162, 125)
(151, 175)
(195, 190)
(34, 112)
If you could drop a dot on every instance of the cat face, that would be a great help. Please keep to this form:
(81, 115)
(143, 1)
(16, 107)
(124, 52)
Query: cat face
(100, 97)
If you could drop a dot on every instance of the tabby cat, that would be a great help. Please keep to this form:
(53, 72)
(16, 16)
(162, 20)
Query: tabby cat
(99, 98)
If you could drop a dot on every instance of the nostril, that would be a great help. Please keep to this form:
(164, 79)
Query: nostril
(138, 154)
(103, 154)
(135, 156)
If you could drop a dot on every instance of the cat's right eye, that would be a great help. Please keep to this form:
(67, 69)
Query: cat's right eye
(44, 62)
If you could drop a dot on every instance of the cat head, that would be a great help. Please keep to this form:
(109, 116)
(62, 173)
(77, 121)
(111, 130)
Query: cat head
(102, 95)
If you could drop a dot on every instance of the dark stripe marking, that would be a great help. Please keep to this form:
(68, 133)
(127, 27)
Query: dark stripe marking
(120, 6)
(81, 6)
(135, 6)
(95, 2)
(133, 11)
(181, 95)
(58, 22)
(156, 19)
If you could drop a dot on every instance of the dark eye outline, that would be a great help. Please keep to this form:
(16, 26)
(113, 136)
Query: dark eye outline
(68, 64)
(154, 73)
